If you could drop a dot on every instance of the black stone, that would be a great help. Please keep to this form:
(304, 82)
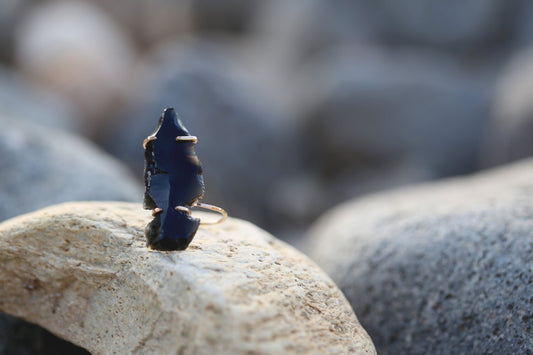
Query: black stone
(173, 177)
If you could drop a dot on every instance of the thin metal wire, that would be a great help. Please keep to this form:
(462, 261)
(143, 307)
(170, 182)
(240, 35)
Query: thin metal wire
(216, 209)
(193, 139)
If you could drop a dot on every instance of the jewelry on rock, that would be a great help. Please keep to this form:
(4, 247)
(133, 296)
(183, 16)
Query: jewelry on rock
(174, 184)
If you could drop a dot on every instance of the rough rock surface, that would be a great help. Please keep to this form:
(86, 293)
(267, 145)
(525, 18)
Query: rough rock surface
(82, 271)
(42, 166)
(438, 268)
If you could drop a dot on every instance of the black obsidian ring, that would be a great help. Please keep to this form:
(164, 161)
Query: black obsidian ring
(174, 184)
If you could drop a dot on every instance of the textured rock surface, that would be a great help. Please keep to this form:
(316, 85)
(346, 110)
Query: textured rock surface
(439, 268)
(42, 166)
(82, 271)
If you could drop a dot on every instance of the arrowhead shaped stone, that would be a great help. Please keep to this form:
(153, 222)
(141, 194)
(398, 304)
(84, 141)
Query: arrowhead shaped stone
(173, 178)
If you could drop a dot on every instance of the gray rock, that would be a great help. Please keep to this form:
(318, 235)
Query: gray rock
(522, 35)
(231, 16)
(245, 143)
(510, 128)
(10, 12)
(315, 24)
(82, 270)
(150, 21)
(451, 25)
(439, 268)
(20, 99)
(375, 108)
(74, 49)
(286, 34)
(455, 24)
(42, 166)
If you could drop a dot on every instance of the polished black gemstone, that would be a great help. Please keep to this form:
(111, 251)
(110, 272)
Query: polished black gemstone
(173, 178)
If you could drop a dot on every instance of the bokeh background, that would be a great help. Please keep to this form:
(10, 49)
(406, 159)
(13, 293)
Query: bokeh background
(298, 105)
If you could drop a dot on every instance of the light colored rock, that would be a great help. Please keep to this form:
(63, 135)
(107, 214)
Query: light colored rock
(439, 267)
(82, 271)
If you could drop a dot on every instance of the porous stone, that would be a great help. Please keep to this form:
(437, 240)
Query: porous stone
(82, 271)
(438, 268)
(43, 166)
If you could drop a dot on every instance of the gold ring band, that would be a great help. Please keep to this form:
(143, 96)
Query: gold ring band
(216, 209)
(192, 139)
(205, 206)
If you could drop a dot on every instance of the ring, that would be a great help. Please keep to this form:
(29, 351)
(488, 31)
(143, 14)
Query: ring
(216, 209)
(173, 177)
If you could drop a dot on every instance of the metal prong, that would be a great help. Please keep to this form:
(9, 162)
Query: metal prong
(206, 206)
(156, 211)
(148, 140)
(192, 139)
(183, 209)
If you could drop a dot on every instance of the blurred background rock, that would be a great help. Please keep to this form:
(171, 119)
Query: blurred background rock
(298, 105)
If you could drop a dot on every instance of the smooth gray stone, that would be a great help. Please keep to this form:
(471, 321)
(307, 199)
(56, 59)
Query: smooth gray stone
(43, 166)
(21, 100)
(439, 268)
(377, 108)
(226, 16)
(453, 24)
